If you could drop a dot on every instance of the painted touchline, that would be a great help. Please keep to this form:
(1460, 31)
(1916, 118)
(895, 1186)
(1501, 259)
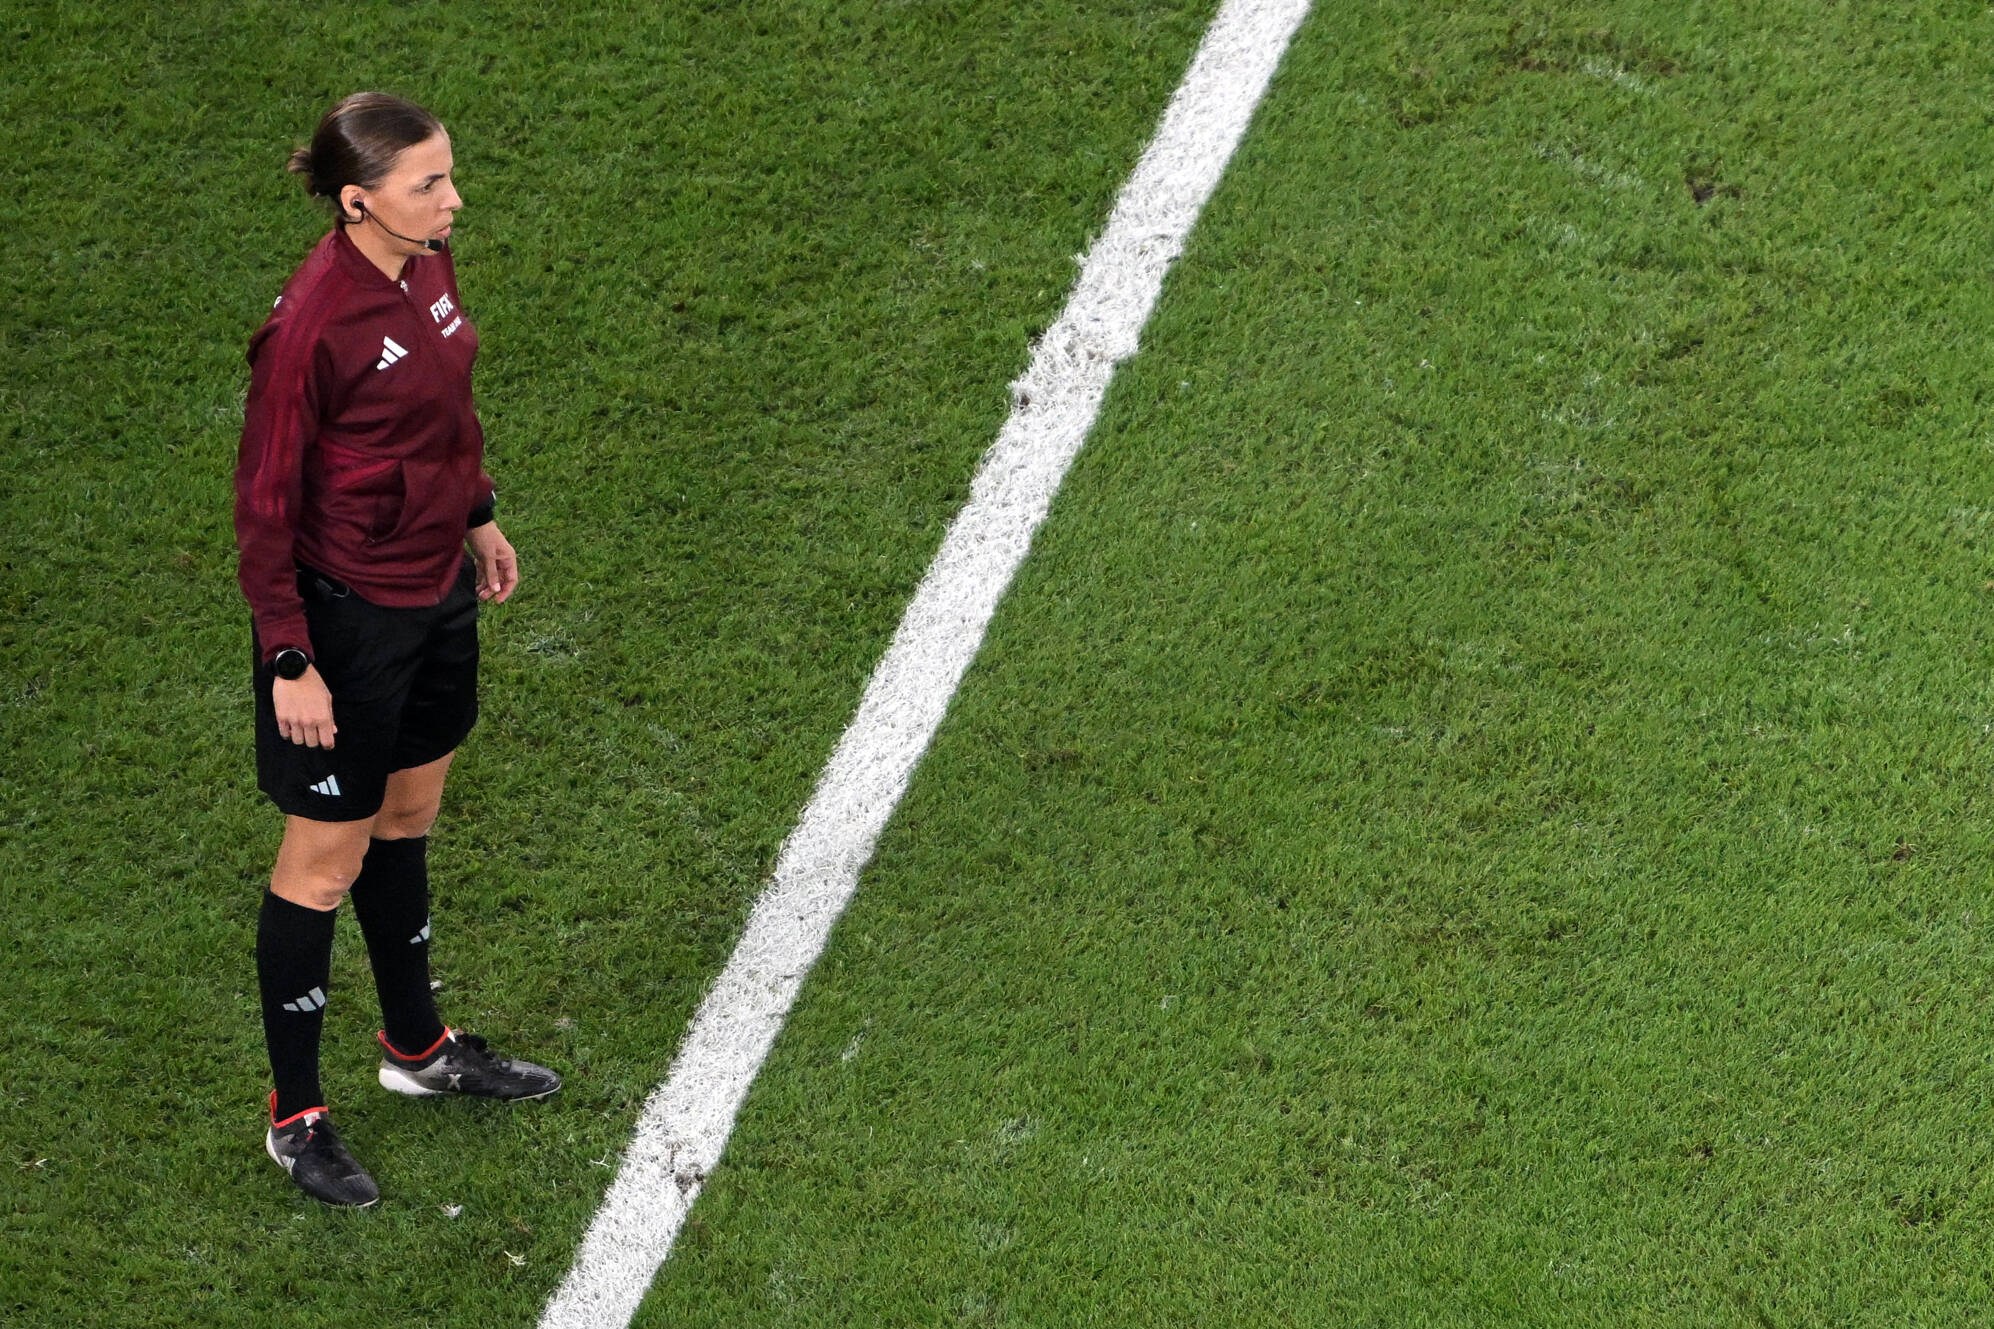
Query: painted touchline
(685, 1123)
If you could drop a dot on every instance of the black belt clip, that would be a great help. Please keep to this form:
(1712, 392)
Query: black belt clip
(319, 586)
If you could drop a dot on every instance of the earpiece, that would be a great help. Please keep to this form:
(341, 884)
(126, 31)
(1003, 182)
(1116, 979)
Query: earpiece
(360, 206)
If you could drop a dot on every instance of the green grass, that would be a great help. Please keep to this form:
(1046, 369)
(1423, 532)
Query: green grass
(1474, 813)
(751, 280)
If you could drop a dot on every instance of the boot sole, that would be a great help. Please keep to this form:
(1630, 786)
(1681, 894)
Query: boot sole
(396, 1080)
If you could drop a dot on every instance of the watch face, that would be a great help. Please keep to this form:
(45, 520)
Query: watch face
(291, 664)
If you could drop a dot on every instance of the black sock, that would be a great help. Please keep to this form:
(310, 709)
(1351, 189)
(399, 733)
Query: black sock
(391, 900)
(293, 961)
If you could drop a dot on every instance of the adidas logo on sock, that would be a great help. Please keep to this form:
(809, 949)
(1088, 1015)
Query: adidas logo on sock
(390, 352)
(328, 786)
(311, 1001)
(420, 937)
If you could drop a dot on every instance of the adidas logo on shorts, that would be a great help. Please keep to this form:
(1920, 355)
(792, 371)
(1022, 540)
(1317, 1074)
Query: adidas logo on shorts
(328, 786)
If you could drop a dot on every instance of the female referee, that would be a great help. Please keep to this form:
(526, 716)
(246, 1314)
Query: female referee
(359, 488)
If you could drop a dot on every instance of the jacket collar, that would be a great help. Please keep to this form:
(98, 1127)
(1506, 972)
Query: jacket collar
(361, 267)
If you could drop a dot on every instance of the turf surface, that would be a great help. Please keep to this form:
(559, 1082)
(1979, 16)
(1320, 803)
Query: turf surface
(750, 280)
(1471, 815)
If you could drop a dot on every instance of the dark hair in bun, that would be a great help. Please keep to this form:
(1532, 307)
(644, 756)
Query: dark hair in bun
(357, 143)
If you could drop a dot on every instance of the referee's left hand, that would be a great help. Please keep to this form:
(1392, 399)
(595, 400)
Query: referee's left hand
(498, 565)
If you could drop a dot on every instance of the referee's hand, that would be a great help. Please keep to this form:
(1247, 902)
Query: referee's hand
(498, 565)
(304, 709)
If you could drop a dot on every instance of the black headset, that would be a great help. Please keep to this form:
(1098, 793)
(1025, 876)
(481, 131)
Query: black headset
(433, 246)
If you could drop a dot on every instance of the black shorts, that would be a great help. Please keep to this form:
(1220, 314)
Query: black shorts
(404, 686)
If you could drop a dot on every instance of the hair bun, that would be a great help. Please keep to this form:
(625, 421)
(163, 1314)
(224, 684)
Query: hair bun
(357, 142)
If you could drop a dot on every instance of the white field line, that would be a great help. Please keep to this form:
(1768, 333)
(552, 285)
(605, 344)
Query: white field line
(686, 1122)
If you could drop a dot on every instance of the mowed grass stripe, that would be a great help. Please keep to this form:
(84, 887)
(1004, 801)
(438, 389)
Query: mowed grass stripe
(680, 1138)
(1475, 812)
(733, 267)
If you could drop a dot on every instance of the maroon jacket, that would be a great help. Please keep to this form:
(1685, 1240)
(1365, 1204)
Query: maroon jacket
(361, 452)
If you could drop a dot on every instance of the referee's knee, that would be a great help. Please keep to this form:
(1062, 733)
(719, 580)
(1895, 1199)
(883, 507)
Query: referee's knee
(393, 823)
(318, 861)
(318, 884)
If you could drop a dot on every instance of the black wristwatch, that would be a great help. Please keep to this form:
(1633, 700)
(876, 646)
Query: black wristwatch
(291, 663)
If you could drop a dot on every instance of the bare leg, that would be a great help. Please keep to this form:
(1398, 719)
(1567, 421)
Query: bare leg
(414, 798)
(318, 861)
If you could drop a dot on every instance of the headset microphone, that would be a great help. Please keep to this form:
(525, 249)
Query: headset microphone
(433, 246)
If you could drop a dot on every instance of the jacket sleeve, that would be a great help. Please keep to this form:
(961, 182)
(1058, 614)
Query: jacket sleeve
(485, 508)
(484, 503)
(280, 421)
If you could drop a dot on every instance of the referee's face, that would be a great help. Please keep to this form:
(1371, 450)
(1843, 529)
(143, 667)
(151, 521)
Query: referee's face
(417, 197)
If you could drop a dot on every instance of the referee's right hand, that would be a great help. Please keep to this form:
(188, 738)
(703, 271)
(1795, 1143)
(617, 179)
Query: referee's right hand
(304, 709)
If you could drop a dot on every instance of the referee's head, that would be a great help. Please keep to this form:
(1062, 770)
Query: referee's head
(357, 144)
